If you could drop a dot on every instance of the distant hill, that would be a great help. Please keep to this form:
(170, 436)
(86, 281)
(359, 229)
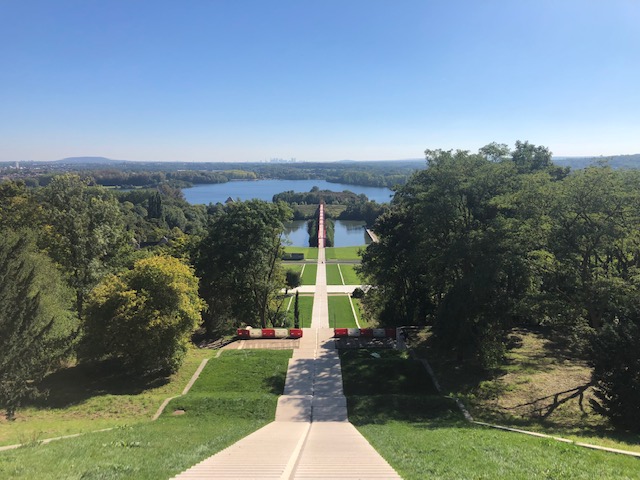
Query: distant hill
(615, 161)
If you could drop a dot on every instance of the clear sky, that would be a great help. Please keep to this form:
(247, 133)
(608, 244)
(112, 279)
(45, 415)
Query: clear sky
(248, 80)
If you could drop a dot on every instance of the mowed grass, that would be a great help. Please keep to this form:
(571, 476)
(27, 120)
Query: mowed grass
(309, 252)
(293, 267)
(333, 274)
(235, 395)
(340, 313)
(305, 304)
(349, 274)
(357, 305)
(309, 274)
(80, 400)
(392, 403)
(444, 448)
(343, 253)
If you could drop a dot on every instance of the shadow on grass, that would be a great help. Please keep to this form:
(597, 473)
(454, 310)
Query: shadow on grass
(379, 409)
(381, 371)
(275, 383)
(561, 428)
(74, 385)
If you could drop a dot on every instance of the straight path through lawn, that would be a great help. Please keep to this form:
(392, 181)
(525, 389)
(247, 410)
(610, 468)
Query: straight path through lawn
(311, 437)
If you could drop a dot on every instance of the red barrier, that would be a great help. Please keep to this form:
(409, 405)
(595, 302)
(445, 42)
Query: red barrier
(340, 332)
(366, 332)
(295, 332)
(390, 332)
(268, 333)
(245, 333)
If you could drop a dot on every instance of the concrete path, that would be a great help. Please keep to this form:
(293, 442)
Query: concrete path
(341, 289)
(311, 437)
(320, 312)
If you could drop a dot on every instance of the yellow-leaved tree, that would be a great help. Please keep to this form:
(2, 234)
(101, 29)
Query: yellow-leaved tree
(143, 317)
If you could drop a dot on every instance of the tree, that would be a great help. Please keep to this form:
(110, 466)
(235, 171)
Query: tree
(36, 324)
(292, 278)
(296, 312)
(529, 158)
(155, 206)
(18, 206)
(615, 358)
(453, 253)
(594, 244)
(239, 262)
(144, 317)
(85, 231)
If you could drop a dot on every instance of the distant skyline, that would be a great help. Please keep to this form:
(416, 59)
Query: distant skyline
(319, 81)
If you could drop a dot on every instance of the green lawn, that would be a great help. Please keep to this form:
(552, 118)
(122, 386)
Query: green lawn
(294, 267)
(309, 253)
(357, 305)
(306, 307)
(235, 395)
(309, 274)
(333, 275)
(340, 313)
(349, 274)
(343, 253)
(81, 401)
(422, 435)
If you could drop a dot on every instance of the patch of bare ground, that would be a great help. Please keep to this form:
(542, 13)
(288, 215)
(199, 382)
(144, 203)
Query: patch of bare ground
(540, 386)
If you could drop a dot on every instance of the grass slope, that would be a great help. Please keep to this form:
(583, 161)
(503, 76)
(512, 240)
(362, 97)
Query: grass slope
(340, 313)
(392, 403)
(235, 395)
(81, 401)
(357, 305)
(522, 392)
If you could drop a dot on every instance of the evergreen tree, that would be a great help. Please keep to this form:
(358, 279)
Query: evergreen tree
(296, 312)
(35, 324)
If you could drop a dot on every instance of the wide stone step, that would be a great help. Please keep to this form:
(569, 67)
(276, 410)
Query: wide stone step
(294, 408)
(266, 453)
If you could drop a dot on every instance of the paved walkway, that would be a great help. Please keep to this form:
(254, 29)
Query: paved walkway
(311, 437)
(342, 289)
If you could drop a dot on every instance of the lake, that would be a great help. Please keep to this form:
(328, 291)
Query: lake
(266, 189)
(348, 233)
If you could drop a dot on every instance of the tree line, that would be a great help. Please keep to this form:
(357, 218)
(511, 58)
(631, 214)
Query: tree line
(122, 281)
(478, 243)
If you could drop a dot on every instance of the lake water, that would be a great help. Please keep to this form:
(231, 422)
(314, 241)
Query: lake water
(266, 189)
(348, 233)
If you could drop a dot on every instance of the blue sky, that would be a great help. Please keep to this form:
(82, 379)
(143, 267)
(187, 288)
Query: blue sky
(321, 80)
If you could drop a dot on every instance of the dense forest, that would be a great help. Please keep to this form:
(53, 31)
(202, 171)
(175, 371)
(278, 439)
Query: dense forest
(472, 245)
(179, 174)
(477, 244)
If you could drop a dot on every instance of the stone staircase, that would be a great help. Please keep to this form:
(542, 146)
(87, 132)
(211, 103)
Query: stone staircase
(311, 437)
